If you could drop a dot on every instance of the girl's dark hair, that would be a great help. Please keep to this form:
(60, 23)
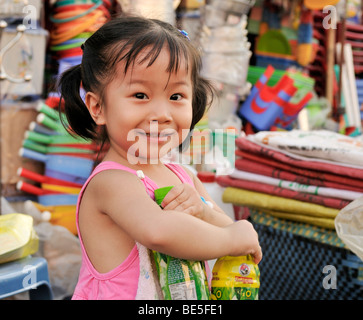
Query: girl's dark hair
(124, 38)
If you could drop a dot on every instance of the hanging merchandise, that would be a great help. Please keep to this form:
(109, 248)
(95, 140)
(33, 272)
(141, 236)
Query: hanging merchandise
(267, 106)
(154, 9)
(73, 23)
(304, 38)
(274, 48)
(22, 49)
(226, 51)
(226, 55)
(319, 4)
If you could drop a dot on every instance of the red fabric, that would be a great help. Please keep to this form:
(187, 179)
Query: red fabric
(314, 169)
(226, 181)
(270, 171)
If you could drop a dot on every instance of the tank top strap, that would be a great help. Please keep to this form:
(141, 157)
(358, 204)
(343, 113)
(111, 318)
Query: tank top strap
(149, 184)
(180, 172)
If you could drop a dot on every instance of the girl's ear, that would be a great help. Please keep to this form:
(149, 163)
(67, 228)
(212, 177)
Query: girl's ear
(95, 108)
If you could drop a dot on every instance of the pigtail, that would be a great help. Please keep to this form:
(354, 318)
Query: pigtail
(78, 117)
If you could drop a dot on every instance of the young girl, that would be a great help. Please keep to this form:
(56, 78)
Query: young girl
(143, 88)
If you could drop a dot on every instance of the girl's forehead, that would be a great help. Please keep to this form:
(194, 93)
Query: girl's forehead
(148, 60)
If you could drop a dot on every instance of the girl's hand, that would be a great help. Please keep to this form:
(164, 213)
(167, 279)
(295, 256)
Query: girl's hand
(244, 240)
(185, 198)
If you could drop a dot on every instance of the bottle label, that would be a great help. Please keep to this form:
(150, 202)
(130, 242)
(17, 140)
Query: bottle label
(235, 278)
(234, 293)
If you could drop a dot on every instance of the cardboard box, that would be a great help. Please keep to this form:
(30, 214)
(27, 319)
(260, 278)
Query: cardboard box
(15, 120)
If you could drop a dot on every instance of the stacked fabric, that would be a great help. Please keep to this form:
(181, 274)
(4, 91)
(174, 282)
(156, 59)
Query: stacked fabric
(295, 175)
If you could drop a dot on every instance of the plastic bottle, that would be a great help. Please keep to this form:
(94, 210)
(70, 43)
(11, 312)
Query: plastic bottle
(180, 279)
(235, 278)
(215, 191)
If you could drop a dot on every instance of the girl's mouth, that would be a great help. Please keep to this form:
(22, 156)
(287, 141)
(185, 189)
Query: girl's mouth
(157, 136)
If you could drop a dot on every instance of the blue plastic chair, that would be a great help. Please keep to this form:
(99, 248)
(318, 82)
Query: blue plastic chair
(27, 274)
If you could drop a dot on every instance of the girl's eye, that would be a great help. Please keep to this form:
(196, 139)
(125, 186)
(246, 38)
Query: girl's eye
(176, 96)
(140, 95)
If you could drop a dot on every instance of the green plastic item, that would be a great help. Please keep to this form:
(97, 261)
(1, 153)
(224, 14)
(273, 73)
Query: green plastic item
(180, 279)
(161, 193)
(46, 149)
(54, 139)
(274, 41)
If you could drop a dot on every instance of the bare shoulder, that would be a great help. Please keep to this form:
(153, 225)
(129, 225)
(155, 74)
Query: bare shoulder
(115, 177)
(114, 184)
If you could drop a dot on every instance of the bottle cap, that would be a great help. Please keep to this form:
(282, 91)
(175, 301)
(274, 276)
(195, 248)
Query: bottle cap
(161, 193)
(206, 176)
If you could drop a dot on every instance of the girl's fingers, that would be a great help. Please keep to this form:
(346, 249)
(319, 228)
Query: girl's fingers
(174, 195)
(176, 205)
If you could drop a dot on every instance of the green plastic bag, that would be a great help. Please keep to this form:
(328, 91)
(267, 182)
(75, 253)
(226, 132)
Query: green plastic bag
(180, 279)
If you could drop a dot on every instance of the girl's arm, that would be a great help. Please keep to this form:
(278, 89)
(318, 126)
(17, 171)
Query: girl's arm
(187, 199)
(123, 198)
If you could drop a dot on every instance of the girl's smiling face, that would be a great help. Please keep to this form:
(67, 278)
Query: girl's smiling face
(147, 110)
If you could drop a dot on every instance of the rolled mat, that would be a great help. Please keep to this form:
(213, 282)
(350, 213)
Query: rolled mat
(264, 201)
(327, 223)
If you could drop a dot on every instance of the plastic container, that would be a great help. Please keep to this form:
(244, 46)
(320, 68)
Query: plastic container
(17, 236)
(235, 278)
(265, 104)
(215, 191)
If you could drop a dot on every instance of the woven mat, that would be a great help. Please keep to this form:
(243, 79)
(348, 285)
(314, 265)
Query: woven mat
(302, 229)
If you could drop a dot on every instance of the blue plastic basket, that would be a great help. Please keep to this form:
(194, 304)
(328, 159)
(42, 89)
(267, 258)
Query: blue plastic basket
(292, 267)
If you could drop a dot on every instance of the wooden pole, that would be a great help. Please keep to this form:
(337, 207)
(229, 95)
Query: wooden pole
(341, 62)
(331, 34)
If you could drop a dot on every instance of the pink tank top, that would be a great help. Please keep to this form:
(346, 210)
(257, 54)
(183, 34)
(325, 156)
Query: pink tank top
(121, 282)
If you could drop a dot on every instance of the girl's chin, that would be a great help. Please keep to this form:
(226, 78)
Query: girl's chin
(147, 158)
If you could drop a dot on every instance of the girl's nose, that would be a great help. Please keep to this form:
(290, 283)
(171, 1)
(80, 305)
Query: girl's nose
(160, 113)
